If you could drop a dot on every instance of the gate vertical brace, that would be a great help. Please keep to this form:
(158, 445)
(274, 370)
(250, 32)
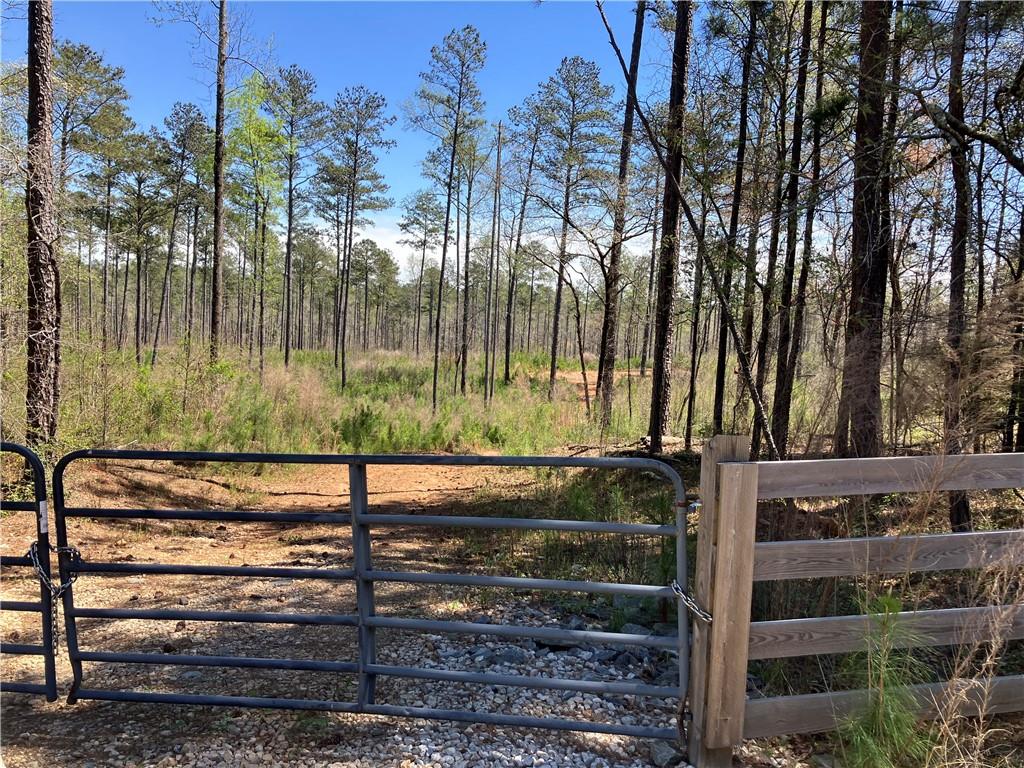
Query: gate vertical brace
(64, 565)
(45, 596)
(682, 616)
(364, 586)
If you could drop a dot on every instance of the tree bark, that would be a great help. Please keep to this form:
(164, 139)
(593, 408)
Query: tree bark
(42, 390)
(859, 424)
(610, 326)
(560, 277)
(218, 182)
(668, 257)
(444, 244)
(959, 506)
(648, 303)
(783, 374)
(464, 350)
(718, 415)
(808, 245)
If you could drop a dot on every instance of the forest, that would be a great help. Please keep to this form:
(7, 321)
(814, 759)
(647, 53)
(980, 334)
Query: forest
(803, 223)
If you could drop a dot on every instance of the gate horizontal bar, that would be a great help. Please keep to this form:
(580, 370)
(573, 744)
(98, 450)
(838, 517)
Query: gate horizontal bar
(245, 662)
(179, 569)
(524, 721)
(555, 634)
(251, 702)
(11, 561)
(514, 582)
(22, 649)
(526, 681)
(527, 523)
(19, 506)
(426, 459)
(20, 605)
(226, 515)
(244, 617)
(23, 688)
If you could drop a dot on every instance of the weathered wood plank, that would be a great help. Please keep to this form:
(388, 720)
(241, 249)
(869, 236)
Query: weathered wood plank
(896, 474)
(842, 634)
(818, 712)
(727, 671)
(720, 448)
(816, 558)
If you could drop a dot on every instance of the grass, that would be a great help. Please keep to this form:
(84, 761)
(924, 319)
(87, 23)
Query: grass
(385, 407)
(618, 496)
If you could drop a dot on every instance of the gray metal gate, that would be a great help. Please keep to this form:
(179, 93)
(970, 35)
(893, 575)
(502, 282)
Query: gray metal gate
(365, 575)
(37, 558)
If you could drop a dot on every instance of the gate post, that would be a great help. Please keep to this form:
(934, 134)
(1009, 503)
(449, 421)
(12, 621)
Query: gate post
(364, 586)
(723, 584)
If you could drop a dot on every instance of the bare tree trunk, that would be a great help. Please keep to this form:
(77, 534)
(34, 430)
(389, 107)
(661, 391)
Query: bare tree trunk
(557, 311)
(783, 375)
(138, 289)
(698, 297)
(464, 350)
(648, 297)
(42, 390)
(492, 265)
(859, 424)
(419, 292)
(444, 245)
(218, 182)
(167, 272)
(514, 257)
(959, 506)
(346, 268)
(768, 285)
(580, 333)
(808, 246)
(668, 258)
(718, 415)
(610, 326)
(263, 282)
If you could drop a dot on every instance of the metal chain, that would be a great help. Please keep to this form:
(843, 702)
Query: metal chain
(56, 590)
(691, 604)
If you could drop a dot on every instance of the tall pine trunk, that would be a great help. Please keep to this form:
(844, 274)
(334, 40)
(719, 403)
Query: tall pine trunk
(783, 376)
(444, 244)
(808, 245)
(859, 424)
(668, 256)
(218, 182)
(42, 390)
(959, 506)
(560, 278)
(610, 326)
(718, 413)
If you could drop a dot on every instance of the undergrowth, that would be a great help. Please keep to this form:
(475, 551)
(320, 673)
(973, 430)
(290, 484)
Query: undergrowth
(384, 407)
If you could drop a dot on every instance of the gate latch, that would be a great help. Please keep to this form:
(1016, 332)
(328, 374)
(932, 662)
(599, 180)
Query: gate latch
(691, 605)
(55, 590)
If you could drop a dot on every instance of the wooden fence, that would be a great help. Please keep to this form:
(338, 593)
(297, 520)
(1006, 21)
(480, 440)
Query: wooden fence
(729, 561)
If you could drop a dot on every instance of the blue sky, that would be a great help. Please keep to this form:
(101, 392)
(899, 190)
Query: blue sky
(382, 45)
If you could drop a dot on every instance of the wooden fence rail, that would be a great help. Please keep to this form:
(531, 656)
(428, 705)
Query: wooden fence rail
(729, 562)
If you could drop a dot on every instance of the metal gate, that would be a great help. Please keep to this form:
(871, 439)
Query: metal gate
(363, 573)
(38, 559)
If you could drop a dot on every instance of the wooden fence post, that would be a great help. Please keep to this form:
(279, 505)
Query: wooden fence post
(723, 585)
